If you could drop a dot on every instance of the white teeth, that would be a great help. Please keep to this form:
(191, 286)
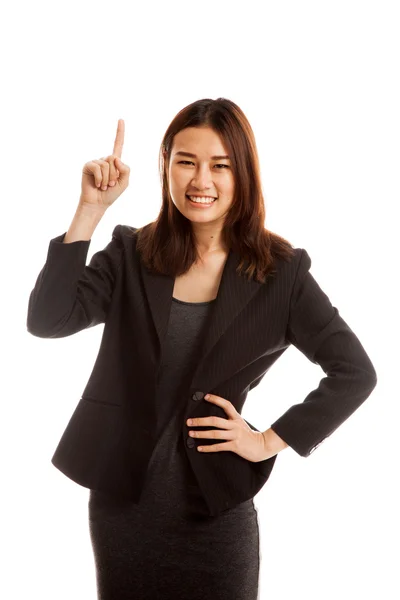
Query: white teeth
(206, 200)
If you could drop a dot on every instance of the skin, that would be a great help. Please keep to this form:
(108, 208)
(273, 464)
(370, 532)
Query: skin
(205, 176)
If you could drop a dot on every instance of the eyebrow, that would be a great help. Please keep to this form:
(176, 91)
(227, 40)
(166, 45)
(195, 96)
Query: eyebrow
(181, 153)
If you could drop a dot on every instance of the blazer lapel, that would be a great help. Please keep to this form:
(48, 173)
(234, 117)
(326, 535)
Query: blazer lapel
(233, 295)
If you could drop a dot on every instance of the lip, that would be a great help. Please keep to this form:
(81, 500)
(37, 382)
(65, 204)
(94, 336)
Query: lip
(198, 204)
(202, 195)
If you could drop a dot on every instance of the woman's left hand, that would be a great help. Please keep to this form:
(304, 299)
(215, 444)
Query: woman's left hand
(241, 438)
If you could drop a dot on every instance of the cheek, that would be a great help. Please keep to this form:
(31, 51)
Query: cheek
(227, 188)
(178, 179)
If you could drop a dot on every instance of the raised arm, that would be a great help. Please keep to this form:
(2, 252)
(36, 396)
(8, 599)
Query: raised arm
(68, 295)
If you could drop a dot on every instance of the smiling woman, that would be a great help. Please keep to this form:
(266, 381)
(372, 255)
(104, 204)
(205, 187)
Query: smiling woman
(172, 547)
(166, 520)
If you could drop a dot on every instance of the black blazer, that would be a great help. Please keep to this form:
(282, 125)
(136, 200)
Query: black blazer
(110, 437)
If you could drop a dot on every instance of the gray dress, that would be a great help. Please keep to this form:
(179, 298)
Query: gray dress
(165, 548)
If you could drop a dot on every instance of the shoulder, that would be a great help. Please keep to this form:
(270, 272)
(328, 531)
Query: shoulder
(303, 261)
(300, 266)
(124, 234)
(294, 266)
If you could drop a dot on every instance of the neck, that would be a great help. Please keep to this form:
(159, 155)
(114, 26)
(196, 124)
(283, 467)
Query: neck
(208, 239)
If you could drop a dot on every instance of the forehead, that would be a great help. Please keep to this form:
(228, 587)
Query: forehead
(199, 140)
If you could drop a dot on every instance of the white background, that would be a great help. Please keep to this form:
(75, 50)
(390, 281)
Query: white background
(319, 83)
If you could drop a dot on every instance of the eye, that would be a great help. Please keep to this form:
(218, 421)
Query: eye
(218, 165)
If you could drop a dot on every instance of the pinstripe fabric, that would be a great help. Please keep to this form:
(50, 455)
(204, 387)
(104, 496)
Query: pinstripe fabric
(110, 437)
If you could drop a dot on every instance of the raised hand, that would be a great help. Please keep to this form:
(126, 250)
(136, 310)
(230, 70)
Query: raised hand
(104, 180)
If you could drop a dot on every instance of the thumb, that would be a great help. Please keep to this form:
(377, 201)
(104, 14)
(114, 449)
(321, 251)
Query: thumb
(123, 169)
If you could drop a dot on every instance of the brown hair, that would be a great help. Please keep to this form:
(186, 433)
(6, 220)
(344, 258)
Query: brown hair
(167, 245)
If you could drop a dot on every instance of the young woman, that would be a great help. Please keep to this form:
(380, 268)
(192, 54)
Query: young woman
(201, 301)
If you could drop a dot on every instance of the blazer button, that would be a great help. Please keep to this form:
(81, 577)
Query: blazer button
(190, 442)
(315, 447)
(198, 396)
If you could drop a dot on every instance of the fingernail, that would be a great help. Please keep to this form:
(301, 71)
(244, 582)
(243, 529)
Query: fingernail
(112, 183)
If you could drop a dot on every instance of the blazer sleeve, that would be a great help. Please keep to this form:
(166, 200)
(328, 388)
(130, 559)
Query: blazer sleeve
(316, 328)
(69, 295)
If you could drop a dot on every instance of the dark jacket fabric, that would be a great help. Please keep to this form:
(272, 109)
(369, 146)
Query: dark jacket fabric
(108, 442)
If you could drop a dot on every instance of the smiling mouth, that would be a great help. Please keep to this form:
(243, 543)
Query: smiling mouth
(188, 198)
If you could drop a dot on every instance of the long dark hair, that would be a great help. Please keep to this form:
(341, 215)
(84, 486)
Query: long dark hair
(167, 245)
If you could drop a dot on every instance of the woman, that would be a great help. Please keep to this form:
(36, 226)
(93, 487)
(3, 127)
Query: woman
(166, 545)
(163, 548)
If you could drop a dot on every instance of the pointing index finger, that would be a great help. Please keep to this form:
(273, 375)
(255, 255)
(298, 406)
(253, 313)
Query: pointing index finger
(119, 138)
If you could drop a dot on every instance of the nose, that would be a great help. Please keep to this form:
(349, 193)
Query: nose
(202, 179)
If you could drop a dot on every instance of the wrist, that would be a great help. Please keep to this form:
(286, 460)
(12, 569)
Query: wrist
(273, 443)
(83, 224)
(90, 212)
